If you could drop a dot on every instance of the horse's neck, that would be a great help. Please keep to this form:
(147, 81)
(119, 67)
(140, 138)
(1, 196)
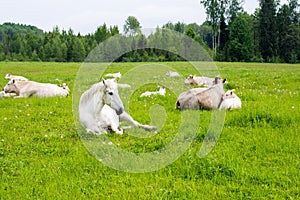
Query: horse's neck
(97, 97)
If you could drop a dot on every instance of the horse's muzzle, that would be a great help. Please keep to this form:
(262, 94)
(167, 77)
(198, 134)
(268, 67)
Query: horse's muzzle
(119, 111)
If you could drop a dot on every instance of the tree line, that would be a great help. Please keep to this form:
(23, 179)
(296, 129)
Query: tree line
(271, 34)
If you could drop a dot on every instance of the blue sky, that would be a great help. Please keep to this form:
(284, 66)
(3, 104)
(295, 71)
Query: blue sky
(86, 16)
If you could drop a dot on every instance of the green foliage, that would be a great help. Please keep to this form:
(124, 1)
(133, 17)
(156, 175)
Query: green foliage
(289, 35)
(240, 47)
(13, 29)
(132, 26)
(268, 29)
(102, 33)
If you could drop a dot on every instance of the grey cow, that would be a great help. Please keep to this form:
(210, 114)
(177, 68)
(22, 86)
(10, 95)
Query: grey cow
(202, 98)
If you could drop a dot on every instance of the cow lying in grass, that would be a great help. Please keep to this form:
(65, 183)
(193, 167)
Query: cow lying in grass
(202, 98)
(115, 75)
(24, 89)
(18, 78)
(189, 100)
(172, 74)
(161, 91)
(230, 101)
(199, 80)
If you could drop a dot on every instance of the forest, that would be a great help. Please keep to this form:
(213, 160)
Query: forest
(271, 34)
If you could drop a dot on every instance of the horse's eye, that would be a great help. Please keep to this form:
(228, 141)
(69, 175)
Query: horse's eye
(110, 93)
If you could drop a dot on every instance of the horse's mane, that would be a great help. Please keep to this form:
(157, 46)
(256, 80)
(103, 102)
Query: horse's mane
(96, 88)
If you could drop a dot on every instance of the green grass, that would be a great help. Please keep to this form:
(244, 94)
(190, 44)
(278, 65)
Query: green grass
(256, 157)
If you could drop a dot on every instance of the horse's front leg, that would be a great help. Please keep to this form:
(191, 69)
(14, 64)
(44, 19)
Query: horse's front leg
(126, 117)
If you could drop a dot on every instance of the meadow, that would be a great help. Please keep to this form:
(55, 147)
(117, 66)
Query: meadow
(257, 156)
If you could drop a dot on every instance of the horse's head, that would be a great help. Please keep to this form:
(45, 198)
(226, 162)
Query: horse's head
(111, 96)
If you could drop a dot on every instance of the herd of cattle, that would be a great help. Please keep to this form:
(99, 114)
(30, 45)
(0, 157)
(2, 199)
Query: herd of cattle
(209, 95)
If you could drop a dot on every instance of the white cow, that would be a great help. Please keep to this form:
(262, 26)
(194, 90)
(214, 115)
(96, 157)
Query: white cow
(18, 78)
(65, 86)
(199, 80)
(172, 74)
(230, 101)
(24, 89)
(161, 91)
(202, 98)
(115, 75)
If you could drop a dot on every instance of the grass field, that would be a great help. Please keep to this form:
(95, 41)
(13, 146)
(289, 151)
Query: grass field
(256, 157)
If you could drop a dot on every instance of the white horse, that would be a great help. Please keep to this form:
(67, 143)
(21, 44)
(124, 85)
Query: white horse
(92, 115)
